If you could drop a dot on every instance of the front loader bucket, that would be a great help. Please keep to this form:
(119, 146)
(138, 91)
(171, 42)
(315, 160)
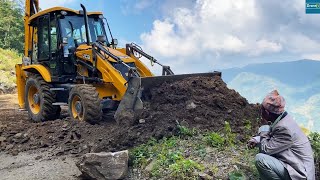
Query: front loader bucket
(139, 90)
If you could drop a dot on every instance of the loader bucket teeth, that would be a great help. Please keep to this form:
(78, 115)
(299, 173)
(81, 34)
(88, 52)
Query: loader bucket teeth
(139, 91)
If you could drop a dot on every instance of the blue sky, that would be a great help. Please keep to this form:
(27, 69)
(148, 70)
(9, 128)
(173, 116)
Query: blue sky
(128, 19)
(206, 35)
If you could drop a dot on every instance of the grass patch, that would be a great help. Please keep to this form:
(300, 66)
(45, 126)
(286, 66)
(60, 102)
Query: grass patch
(184, 169)
(184, 131)
(8, 59)
(215, 140)
(192, 153)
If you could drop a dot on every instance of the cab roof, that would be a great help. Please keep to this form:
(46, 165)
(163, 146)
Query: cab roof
(53, 9)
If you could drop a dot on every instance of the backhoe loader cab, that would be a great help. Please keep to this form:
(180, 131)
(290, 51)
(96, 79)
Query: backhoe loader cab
(55, 38)
(69, 60)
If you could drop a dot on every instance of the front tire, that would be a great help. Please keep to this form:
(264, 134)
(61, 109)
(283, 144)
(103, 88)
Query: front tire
(85, 104)
(39, 99)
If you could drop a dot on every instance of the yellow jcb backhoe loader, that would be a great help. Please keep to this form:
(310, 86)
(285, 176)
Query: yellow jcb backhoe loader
(69, 60)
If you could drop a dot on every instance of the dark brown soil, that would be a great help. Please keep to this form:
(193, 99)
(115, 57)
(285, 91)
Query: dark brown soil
(202, 103)
(60, 136)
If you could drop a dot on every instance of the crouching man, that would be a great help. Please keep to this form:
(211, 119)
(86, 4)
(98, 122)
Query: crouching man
(285, 151)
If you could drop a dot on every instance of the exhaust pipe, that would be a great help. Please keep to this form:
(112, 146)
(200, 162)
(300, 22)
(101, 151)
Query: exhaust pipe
(85, 16)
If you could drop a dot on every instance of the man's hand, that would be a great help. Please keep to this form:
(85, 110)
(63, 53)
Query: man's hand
(253, 142)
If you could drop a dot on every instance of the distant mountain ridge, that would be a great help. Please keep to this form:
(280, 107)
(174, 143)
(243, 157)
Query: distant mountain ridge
(297, 81)
(294, 73)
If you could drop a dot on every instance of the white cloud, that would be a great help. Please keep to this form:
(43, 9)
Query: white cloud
(53, 3)
(265, 46)
(311, 56)
(219, 32)
(142, 4)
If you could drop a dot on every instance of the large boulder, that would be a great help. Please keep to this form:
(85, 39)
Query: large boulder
(104, 165)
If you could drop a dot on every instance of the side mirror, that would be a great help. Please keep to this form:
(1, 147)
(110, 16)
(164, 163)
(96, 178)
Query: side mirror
(114, 42)
(101, 38)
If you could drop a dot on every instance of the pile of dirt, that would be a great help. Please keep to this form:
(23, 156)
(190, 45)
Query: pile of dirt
(202, 103)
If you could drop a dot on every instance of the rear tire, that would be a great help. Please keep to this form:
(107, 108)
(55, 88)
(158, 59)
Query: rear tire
(85, 104)
(39, 99)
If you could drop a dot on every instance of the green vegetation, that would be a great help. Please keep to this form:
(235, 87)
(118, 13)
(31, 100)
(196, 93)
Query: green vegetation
(215, 140)
(11, 41)
(183, 169)
(315, 143)
(184, 131)
(228, 138)
(8, 59)
(11, 25)
(237, 175)
(191, 154)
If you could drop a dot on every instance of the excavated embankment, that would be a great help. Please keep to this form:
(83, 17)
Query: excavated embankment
(199, 102)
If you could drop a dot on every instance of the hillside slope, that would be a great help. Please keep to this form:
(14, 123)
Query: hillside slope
(8, 59)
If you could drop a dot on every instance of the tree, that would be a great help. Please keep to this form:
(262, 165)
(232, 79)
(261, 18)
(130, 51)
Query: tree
(11, 25)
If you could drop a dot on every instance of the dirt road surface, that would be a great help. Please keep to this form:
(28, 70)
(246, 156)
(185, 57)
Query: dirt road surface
(35, 165)
(30, 164)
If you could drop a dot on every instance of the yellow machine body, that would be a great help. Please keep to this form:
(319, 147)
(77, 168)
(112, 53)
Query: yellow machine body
(116, 74)
(114, 85)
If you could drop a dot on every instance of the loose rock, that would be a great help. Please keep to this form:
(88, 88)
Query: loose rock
(192, 105)
(149, 167)
(38, 157)
(104, 165)
(18, 135)
(2, 139)
(142, 121)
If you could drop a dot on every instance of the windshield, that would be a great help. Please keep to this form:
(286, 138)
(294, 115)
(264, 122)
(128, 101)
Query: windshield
(73, 28)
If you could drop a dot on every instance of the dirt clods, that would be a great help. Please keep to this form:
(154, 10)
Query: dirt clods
(199, 102)
(204, 103)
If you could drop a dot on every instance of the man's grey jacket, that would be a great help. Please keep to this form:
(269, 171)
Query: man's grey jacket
(289, 144)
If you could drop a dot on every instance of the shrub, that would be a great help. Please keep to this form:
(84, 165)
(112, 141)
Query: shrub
(183, 169)
(184, 131)
(8, 59)
(315, 143)
(229, 135)
(215, 140)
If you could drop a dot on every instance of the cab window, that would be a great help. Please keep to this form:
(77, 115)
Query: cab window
(43, 38)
